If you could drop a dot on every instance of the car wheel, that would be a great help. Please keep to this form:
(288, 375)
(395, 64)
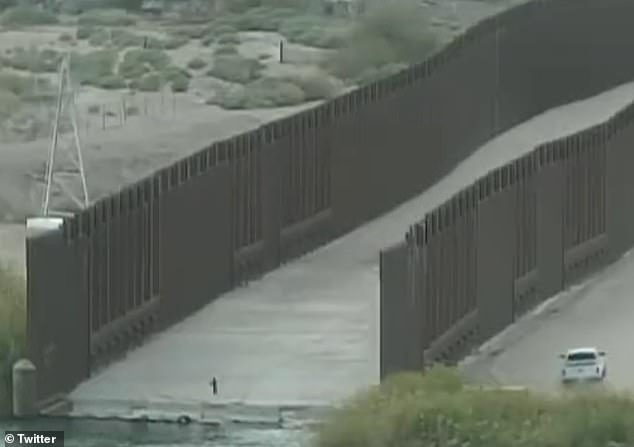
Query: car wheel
(604, 373)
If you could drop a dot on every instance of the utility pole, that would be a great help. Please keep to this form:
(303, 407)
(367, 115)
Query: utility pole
(62, 177)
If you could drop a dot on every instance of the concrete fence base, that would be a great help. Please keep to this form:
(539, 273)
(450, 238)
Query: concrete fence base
(24, 378)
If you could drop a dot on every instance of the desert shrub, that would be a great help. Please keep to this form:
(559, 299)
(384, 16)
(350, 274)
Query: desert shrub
(84, 32)
(110, 82)
(391, 32)
(242, 6)
(37, 61)
(196, 63)
(437, 409)
(133, 70)
(26, 15)
(208, 40)
(90, 68)
(65, 37)
(125, 39)
(224, 28)
(151, 82)
(317, 85)
(179, 83)
(15, 84)
(106, 17)
(138, 62)
(12, 326)
(225, 39)
(236, 69)
(217, 30)
(192, 32)
(262, 18)
(314, 31)
(172, 72)
(9, 104)
(374, 74)
(174, 42)
(262, 93)
(99, 37)
(227, 49)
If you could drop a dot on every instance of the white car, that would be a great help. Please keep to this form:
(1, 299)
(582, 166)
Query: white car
(582, 364)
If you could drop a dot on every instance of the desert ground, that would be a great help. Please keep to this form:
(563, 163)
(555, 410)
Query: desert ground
(128, 131)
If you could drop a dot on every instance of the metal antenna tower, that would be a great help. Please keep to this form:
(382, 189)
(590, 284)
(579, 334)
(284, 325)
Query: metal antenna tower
(57, 176)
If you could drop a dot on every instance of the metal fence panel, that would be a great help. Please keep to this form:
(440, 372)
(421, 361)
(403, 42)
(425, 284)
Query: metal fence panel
(57, 312)
(400, 348)
(550, 218)
(196, 226)
(495, 255)
(620, 192)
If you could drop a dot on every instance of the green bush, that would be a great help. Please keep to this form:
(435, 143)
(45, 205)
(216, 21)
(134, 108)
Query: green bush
(262, 18)
(37, 61)
(65, 37)
(179, 83)
(374, 74)
(84, 32)
(172, 72)
(220, 29)
(225, 39)
(9, 104)
(227, 49)
(437, 409)
(192, 32)
(224, 28)
(138, 62)
(262, 93)
(125, 39)
(236, 69)
(196, 63)
(315, 31)
(106, 17)
(151, 82)
(175, 42)
(391, 32)
(110, 82)
(92, 68)
(12, 327)
(26, 15)
(99, 37)
(244, 6)
(15, 84)
(317, 86)
(208, 40)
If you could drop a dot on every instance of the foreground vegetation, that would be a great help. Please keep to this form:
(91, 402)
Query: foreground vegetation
(439, 410)
(12, 329)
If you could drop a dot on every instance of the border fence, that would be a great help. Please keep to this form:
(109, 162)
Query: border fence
(143, 259)
(501, 246)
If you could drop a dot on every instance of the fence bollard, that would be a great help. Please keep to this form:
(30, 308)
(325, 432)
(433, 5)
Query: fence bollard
(24, 389)
(281, 51)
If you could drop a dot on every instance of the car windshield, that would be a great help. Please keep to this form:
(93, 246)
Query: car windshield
(581, 357)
